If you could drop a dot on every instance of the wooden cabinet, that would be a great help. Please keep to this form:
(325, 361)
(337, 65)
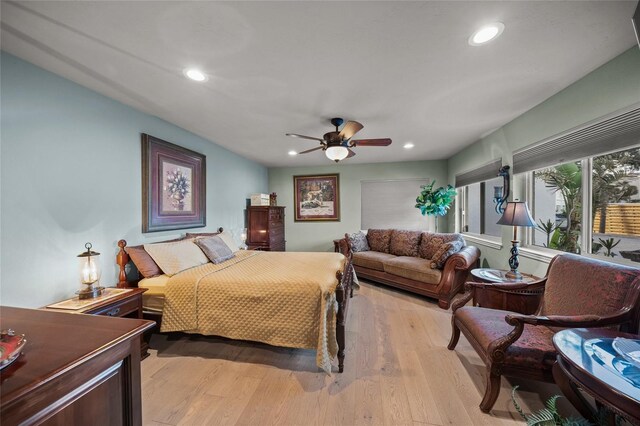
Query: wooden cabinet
(74, 369)
(266, 228)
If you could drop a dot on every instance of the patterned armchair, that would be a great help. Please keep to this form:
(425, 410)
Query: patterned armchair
(578, 292)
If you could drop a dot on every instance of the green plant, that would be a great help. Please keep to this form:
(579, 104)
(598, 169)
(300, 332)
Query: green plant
(595, 247)
(567, 180)
(609, 244)
(548, 416)
(548, 228)
(435, 202)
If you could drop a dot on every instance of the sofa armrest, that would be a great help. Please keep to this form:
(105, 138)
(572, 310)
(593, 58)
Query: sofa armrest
(565, 321)
(464, 259)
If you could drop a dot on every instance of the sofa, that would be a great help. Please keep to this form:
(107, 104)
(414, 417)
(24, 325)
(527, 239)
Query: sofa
(430, 264)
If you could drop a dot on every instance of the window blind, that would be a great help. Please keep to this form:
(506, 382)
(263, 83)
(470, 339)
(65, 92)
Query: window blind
(486, 172)
(615, 132)
(390, 204)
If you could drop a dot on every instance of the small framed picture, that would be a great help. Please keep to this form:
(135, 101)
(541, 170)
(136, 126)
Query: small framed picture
(173, 186)
(316, 198)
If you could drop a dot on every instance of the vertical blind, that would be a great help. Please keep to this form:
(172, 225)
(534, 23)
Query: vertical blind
(390, 204)
(614, 132)
(486, 172)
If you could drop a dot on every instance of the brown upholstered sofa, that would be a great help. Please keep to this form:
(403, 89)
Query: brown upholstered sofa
(406, 262)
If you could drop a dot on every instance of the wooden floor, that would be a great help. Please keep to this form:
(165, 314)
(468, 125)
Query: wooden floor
(398, 371)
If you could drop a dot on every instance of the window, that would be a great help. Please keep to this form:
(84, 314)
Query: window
(391, 204)
(615, 205)
(583, 187)
(557, 207)
(477, 209)
(607, 223)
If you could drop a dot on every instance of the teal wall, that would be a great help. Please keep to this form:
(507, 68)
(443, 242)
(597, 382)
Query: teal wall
(319, 236)
(613, 86)
(70, 168)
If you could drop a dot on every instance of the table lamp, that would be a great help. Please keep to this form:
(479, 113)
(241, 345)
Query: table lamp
(516, 213)
(89, 274)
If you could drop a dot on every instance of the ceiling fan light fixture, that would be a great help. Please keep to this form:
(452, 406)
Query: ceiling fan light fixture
(195, 74)
(293, 153)
(408, 145)
(486, 34)
(337, 153)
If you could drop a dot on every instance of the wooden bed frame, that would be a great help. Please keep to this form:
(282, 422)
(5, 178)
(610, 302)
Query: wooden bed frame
(344, 291)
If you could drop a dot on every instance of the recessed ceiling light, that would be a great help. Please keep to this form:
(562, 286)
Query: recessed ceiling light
(292, 153)
(408, 145)
(195, 74)
(486, 34)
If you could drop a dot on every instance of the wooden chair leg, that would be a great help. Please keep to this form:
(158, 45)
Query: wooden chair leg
(455, 334)
(491, 392)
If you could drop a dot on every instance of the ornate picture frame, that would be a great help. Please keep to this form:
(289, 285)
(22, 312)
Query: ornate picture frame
(316, 198)
(173, 186)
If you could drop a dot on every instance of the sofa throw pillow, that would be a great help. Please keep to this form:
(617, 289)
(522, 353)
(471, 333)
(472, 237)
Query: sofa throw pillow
(444, 252)
(176, 257)
(214, 248)
(358, 242)
(431, 242)
(405, 243)
(379, 239)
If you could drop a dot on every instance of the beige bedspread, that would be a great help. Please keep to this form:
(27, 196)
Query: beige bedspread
(283, 299)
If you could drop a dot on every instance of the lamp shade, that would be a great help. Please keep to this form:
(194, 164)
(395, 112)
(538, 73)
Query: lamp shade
(337, 153)
(517, 213)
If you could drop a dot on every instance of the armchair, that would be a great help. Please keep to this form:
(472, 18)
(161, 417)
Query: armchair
(578, 292)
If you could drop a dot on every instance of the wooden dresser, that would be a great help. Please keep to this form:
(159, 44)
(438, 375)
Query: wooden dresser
(74, 369)
(266, 228)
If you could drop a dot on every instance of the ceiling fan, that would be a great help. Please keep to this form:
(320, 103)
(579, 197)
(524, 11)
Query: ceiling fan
(337, 145)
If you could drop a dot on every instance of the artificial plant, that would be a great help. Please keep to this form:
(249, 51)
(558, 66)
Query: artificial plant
(435, 202)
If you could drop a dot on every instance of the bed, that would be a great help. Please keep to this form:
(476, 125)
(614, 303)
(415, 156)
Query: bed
(289, 299)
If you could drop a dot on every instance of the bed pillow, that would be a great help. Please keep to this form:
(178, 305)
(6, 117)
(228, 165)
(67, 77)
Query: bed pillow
(379, 239)
(215, 249)
(176, 257)
(229, 241)
(444, 252)
(144, 263)
(404, 243)
(147, 267)
(358, 242)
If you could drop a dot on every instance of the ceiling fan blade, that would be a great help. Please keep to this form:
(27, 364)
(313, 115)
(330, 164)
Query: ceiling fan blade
(350, 129)
(294, 135)
(351, 153)
(311, 150)
(372, 142)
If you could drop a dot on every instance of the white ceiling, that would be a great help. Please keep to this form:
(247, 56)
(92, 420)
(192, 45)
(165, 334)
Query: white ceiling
(403, 69)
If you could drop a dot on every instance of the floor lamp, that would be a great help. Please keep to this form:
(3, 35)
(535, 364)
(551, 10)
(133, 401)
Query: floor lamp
(516, 213)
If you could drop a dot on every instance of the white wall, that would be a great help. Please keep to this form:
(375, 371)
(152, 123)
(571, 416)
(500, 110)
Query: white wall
(71, 173)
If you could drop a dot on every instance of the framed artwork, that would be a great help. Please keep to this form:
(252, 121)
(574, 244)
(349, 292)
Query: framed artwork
(316, 198)
(173, 186)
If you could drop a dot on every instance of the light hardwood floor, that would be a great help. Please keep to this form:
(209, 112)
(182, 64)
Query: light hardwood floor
(398, 371)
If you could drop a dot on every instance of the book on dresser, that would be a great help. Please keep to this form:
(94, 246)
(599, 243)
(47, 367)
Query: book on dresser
(265, 229)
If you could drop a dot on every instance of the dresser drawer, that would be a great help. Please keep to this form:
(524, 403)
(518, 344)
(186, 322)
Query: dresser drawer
(119, 309)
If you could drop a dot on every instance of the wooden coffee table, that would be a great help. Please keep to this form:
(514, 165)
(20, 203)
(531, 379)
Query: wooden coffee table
(587, 361)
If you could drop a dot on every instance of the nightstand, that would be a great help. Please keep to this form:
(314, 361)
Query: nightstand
(124, 304)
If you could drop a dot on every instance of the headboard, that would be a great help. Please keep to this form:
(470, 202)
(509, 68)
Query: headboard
(122, 259)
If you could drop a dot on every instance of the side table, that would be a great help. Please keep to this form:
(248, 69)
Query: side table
(517, 300)
(127, 304)
(587, 361)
